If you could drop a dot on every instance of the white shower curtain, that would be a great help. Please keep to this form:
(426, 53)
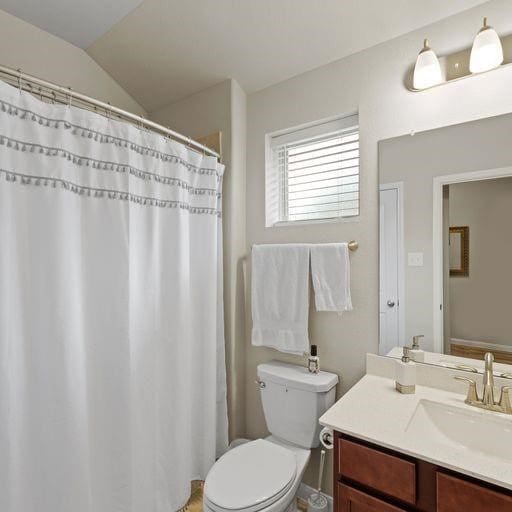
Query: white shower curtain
(112, 377)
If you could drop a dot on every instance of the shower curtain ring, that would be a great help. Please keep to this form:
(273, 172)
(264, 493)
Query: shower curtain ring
(54, 97)
(69, 97)
(109, 111)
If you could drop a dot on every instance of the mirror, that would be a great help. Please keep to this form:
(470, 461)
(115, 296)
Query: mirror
(445, 199)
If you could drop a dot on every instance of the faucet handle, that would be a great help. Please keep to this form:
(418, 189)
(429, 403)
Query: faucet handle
(472, 395)
(505, 400)
(466, 368)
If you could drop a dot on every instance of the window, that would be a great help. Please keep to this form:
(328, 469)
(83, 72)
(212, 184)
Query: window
(312, 172)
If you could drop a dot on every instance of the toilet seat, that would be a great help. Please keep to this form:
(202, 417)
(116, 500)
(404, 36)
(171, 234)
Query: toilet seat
(250, 477)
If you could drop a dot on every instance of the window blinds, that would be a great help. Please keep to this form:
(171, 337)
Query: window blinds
(316, 171)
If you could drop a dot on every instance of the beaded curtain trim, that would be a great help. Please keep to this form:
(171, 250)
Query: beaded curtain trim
(97, 136)
(15, 176)
(82, 190)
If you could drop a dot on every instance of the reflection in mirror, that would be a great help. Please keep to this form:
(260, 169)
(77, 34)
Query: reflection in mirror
(446, 244)
(458, 252)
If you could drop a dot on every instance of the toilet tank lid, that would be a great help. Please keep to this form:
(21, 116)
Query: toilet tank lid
(297, 377)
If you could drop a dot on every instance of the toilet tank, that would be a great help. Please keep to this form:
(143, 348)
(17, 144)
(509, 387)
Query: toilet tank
(293, 401)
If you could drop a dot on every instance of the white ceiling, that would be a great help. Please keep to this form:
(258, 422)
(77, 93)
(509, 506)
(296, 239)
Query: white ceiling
(165, 50)
(80, 22)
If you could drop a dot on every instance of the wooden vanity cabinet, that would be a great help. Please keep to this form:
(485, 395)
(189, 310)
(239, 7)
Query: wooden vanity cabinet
(351, 499)
(454, 493)
(369, 478)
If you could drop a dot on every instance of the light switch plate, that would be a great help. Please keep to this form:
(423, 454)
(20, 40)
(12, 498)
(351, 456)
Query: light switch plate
(415, 259)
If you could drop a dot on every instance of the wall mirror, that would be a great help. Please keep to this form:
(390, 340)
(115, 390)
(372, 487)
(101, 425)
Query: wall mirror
(446, 244)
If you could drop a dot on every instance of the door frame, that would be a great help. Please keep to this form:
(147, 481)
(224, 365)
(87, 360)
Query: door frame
(437, 242)
(399, 187)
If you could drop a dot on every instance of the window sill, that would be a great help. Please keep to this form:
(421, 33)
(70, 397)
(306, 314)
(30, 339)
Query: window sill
(339, 220)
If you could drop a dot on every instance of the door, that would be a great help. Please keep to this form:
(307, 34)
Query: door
(390, 240)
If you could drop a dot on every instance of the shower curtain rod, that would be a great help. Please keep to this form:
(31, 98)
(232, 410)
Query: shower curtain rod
(107, 107)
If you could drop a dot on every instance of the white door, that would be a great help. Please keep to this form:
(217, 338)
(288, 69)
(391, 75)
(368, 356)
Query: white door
(390, 234)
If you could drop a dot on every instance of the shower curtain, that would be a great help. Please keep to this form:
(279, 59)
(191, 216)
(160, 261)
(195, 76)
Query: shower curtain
(112, 376)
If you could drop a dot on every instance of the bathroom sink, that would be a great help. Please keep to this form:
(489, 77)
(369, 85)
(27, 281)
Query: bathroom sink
(480, 432)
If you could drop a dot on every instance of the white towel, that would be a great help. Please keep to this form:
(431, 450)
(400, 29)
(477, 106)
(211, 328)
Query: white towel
(330, 271)
(280, 297)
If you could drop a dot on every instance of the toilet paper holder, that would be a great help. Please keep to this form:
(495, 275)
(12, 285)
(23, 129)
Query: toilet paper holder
(327, 438)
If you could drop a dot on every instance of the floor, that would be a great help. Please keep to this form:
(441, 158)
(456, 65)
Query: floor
(195, 503)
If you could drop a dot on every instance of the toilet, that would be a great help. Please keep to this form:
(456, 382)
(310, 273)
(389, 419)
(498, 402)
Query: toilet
(265, 474)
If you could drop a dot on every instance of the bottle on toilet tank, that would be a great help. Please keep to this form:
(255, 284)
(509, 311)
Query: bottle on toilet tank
(313, 360)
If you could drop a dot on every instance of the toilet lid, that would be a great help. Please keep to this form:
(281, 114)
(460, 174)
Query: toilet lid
(251, 476)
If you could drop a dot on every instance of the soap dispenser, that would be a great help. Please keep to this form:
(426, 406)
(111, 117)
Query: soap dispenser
(417, 354)
(405, 379)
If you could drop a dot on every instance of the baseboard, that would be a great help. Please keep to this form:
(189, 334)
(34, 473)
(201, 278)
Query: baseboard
(305, 491)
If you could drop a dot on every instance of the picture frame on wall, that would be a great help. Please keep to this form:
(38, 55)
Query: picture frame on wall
(459, 251)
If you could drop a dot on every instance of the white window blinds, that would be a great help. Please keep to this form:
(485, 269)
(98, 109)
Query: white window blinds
(313, 172)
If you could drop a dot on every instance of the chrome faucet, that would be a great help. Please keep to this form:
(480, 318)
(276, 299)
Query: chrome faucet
(488, 396)
(488, 402)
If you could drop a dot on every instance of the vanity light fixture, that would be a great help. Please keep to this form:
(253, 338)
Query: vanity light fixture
(487, 51)
(427, 71)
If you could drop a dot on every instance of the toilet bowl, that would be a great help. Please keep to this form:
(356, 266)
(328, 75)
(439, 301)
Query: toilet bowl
(264, 475)
(259, 476)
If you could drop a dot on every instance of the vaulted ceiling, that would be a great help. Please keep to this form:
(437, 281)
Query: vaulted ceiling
(79, 22)
(164, 50)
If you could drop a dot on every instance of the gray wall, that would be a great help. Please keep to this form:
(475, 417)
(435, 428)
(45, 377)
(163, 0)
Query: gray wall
(472, 146)
(480, 303)
(370, 82)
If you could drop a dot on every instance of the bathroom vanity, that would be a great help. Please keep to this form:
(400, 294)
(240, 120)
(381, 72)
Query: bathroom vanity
(370, 478)
(425, 452)
(447, 446)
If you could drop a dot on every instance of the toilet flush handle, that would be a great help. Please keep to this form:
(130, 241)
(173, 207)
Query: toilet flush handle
(260, 383)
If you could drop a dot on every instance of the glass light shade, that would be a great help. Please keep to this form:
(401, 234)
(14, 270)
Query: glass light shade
(427, 71)
(487, 51)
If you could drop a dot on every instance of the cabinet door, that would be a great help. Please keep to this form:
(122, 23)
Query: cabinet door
(352, 500)
(457, 495)
(389, 474)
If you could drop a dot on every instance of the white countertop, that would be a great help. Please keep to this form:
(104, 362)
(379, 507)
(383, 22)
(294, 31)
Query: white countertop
(374, 411)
